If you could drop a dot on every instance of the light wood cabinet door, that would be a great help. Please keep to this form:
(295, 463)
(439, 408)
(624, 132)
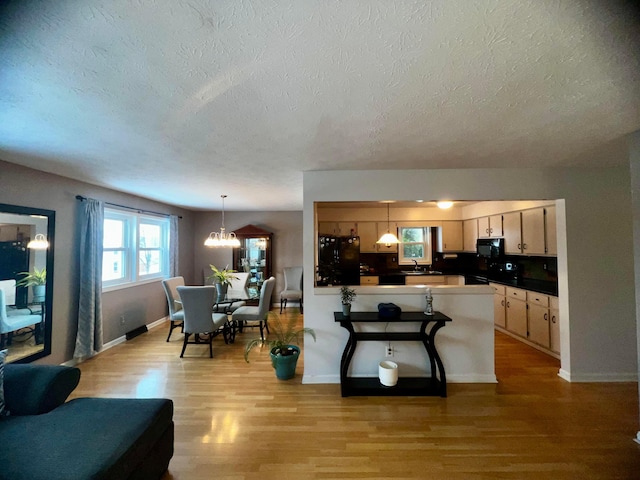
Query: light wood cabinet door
(450, 236)
(539, 325)
(533, 231)
(327, 228)
(368, 232)
(369, 280)
(512, 236)
(495, 226)
(347, 228)
(554, 325)
(500, 310)
(470, 234)
(517, 311)
(551, 237)
(483, 227)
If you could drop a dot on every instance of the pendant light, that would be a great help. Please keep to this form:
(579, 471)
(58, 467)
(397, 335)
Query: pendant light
(38, 243)
(222, 239)
(388, 238)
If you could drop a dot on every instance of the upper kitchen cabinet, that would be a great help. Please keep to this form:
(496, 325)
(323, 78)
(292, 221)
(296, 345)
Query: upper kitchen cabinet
(511, 225)
(337, 228)
(450, 236)
(368, 233)
(533, 231)
(551, 237)
(470, 234)
(490, 227)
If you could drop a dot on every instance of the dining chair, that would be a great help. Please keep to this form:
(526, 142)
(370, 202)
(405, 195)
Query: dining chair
(250, 316)
(199, 319)
(292, 287)
(12, 320)
(176, 314)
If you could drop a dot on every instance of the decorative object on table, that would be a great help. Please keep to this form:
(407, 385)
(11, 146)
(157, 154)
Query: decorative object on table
(222, 279)
(389, 310)
(222, 238)
(284, 355)
(346, 296)
(37, 280)
(429, 309)
(388, 373)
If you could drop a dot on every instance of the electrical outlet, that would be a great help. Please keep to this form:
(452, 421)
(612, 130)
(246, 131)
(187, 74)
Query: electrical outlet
(388, 351)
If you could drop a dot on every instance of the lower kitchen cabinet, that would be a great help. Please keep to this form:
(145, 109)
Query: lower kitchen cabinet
(538, 312)
(369, 280)
(554, 325)
(499, 305)
(517, 311)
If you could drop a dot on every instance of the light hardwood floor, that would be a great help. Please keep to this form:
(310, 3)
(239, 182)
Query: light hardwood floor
(235, 420)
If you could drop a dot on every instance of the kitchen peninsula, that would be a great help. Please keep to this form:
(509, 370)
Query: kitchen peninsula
(466, 345)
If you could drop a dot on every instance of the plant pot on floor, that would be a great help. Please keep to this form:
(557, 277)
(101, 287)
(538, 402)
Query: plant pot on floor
(285, 365)
(39, 293)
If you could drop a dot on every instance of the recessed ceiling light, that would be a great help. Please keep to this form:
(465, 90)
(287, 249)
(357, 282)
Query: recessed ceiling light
(444, 204)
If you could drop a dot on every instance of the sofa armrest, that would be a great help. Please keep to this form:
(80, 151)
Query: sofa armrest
(36, 389)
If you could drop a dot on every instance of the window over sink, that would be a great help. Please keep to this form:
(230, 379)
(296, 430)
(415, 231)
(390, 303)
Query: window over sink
(415, 245)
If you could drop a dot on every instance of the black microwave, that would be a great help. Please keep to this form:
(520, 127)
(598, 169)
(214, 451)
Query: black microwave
(490, 247)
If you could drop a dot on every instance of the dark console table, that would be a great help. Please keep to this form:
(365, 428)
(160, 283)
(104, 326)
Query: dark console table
(436, 384)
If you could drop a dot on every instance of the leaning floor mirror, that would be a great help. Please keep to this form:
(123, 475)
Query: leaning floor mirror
(26, 281)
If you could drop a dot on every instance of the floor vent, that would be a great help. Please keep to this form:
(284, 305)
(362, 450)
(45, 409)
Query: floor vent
(136, 331)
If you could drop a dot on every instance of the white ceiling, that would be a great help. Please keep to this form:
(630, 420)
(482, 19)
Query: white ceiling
(182, 101)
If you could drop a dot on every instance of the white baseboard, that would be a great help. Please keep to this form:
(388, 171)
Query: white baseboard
(76, 361)
(598, 377)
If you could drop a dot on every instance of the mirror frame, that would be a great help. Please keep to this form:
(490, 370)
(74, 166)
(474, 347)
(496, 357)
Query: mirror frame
(48, 302)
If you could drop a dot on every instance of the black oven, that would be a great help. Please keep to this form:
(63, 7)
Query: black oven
(490, 247)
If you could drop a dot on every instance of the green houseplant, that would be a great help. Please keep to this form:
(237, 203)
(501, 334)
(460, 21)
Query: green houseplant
(222, 278)
(36, 279)
(284, 355)
(346, 296)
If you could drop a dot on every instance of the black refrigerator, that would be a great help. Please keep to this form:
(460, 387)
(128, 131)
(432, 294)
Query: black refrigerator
(338, 260)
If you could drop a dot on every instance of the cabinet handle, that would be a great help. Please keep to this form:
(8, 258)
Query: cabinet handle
(524, 246)
(553, 319)
(502, 303)
(487, 230)
(519, 246)
(491, 230)
(545, 317)
(508, 304)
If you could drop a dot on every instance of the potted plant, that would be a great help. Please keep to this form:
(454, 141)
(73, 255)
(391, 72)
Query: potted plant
(284, 355)
(222, 279)
(36, 279)
(346, 296)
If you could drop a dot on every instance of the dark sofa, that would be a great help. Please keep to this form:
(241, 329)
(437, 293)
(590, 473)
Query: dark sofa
(85, 438)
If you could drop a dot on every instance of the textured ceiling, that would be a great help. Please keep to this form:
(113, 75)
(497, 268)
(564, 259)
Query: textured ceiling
(181, 101)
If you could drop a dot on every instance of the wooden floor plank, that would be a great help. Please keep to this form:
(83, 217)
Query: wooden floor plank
(236, 421)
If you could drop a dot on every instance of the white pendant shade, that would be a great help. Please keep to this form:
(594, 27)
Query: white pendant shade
(388, 238)
(38, 243)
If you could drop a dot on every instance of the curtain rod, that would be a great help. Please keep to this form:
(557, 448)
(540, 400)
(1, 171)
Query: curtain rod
(139, 210)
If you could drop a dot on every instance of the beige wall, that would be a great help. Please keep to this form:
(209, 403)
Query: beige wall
(140, 305)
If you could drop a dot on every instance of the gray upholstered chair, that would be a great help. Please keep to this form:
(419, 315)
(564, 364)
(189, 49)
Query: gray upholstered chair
(256, 316)
(199, 318)
(176, 315)
(292, 287)
(14, 319)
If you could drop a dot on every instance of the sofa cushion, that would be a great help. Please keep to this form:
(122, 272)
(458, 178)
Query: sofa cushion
(35, 389)
(3, 410)
(86, 438)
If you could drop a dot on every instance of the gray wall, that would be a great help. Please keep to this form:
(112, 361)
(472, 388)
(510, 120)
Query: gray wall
(140, 305)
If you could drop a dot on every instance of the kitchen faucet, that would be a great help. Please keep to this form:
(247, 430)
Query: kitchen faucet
(416, 268)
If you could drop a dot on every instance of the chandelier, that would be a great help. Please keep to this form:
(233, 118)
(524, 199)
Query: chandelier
(38, 243)
(222, 238)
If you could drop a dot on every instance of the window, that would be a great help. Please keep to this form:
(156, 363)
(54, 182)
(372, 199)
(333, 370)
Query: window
(135, 248)
(415, 244)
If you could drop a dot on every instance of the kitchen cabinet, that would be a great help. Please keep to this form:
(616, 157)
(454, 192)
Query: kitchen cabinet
(368, 233)
(533, 242)
(511, 225)
(490, 227)
(337, 228)
(551, 238)
(450, 236)
(499, 305)
(470, 234)
(369, 280)
(425, 280)
(538, 318)
(554, 325)
(516, 311)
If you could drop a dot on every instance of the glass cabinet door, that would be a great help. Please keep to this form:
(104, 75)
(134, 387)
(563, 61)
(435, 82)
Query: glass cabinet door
(254, 256)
